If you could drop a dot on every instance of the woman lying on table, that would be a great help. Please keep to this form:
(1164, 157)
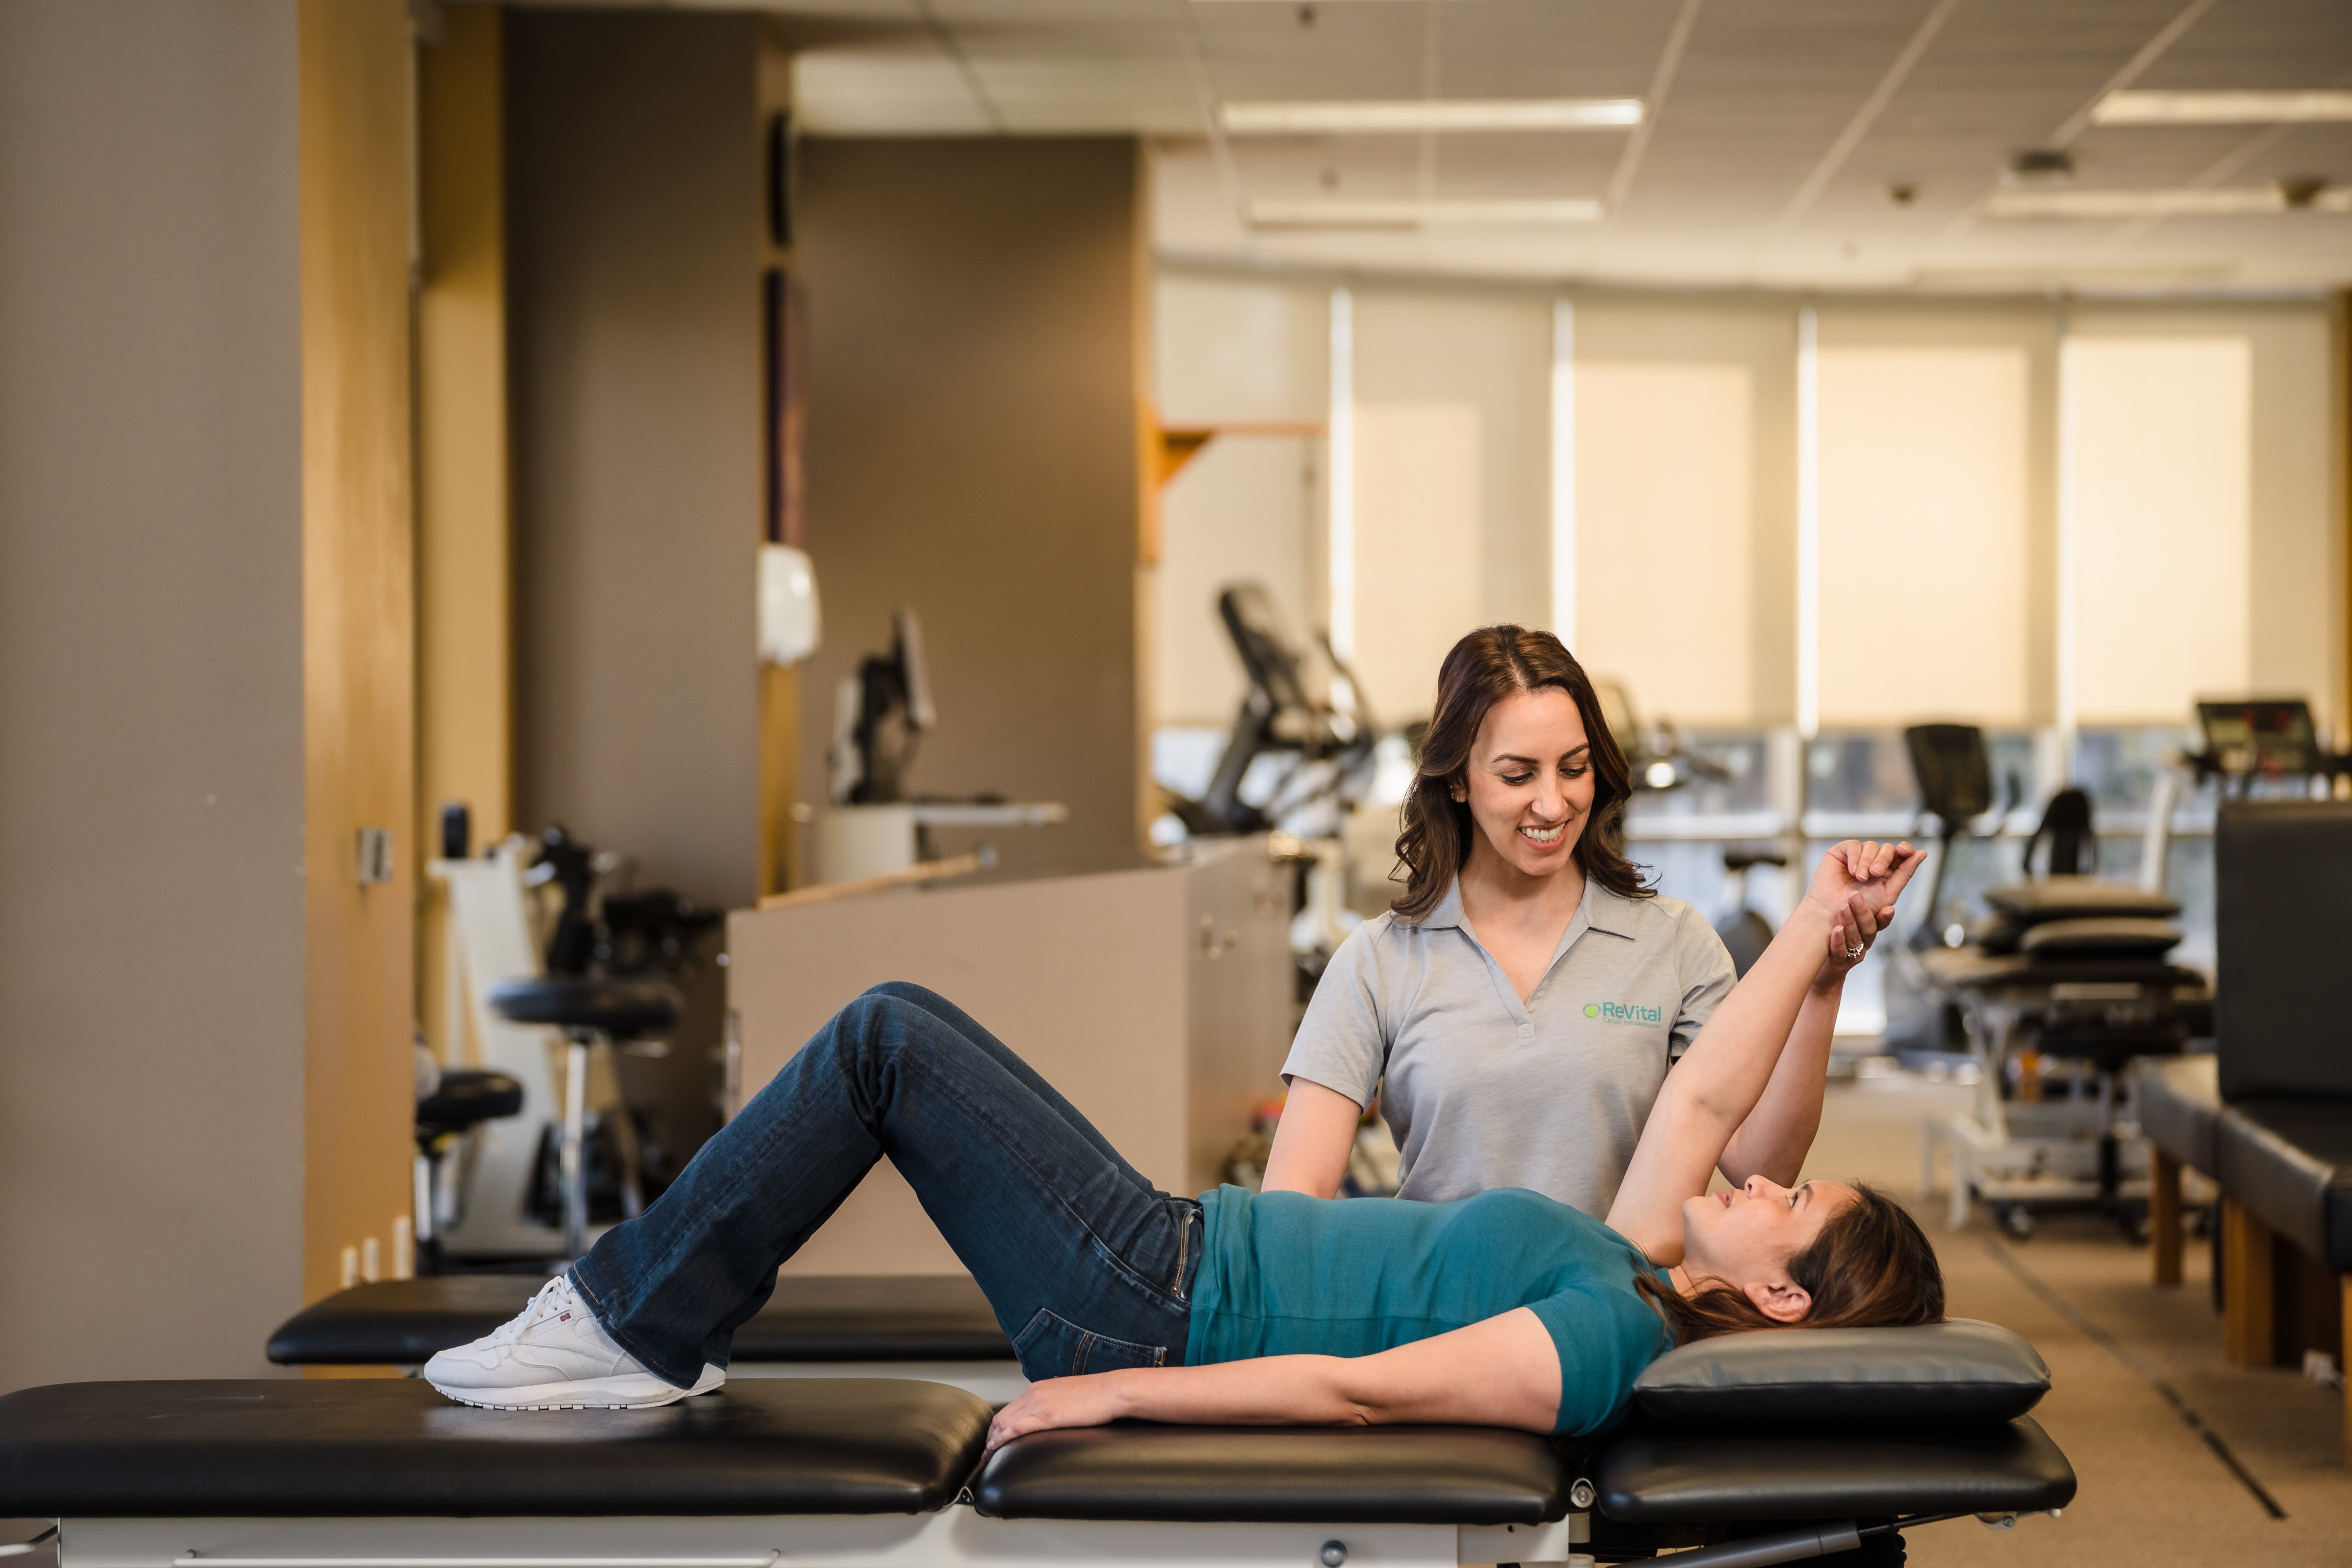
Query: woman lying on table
(1504, 1310)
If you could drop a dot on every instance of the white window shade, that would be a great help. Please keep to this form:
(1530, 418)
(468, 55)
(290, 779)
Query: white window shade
(1925, 513)
(1418, 545)
(2159, 436)
(1664, 531)
(1452, 470)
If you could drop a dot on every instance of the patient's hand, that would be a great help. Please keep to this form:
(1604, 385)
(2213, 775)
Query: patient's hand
(1877, 871)
(1088, 1400)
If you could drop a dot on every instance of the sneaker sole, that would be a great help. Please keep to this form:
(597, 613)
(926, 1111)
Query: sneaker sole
(586, 1393)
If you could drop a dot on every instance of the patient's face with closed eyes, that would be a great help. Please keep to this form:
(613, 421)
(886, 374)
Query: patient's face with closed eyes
(1745, 1237)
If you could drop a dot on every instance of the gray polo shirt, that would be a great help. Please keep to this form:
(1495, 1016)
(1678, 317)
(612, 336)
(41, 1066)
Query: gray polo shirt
(1482, 1091)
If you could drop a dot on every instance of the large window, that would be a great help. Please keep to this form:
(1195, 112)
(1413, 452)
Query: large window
(1792, 529)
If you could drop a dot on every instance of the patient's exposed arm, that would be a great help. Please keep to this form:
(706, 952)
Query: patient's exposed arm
(1774, 1139)
(1501, 1372)
(1723, 1076)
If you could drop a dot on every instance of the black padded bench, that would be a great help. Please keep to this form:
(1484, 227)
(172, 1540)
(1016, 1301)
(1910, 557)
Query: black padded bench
(886, 1473)
(2282, 1138)
(935, 1327)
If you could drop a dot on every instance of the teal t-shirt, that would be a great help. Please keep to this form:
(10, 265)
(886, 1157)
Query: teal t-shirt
(1284, 1274)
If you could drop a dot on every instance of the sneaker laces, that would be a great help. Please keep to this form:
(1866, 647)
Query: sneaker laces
(548, 1300)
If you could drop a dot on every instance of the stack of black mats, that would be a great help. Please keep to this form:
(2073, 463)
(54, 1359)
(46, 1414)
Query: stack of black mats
(2062, 918)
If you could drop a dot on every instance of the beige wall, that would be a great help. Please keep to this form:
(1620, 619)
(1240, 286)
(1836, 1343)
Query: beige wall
(974, 314)
(633, 212)
(1247, 508)
(152, 698)
(634, 303)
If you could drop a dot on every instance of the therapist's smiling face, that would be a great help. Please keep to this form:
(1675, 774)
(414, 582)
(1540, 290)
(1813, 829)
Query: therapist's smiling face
(1528, 783)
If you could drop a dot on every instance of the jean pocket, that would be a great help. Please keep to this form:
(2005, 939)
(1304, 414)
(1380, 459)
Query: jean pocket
(1053, 1346)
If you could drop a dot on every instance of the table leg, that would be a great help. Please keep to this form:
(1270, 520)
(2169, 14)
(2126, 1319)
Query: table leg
(2164, 1215)
(2246, 1293)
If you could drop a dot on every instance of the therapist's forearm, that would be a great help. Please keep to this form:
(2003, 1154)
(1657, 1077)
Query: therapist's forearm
(1778, 1133)
(1312, 1142)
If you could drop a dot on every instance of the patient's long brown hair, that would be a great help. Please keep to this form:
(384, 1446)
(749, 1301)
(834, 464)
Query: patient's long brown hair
(1871, 1266)
(1484, 668)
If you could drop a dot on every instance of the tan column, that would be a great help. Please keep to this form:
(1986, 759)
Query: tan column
(358, 641)
(464, 532)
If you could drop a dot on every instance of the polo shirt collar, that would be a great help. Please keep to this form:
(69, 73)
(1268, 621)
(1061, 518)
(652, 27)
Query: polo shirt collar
(1599, 909)
(1448, 911)
(1605, 910)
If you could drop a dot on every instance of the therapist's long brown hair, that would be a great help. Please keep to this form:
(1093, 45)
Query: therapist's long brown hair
(1490, 664)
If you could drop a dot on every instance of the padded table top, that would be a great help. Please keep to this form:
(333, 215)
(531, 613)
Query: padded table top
(394, 1449)
(1656, 1477)
(2023, 975)
(2180, 1103)
(811, 1318)
(1378, 1474)
(2290, 1160)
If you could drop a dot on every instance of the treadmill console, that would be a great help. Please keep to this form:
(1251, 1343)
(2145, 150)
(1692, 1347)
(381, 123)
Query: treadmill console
(2260, 738)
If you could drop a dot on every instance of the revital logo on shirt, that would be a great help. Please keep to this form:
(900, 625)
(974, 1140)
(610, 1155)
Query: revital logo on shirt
(1618, 1013)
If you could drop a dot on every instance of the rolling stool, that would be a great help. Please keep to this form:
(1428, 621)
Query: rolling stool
(587, 1010)
(462, 1099)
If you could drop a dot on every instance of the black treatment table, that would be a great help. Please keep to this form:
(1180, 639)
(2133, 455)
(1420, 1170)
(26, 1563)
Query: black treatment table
(935, 1327)
(887, 1473)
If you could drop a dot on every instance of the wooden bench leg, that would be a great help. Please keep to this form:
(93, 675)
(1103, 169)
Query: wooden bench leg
(2164, 1215)
(2247, 1299)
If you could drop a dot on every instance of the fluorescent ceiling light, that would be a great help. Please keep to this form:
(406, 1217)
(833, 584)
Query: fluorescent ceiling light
(1335, 211)
(2203, 201)
(1418, 114)
(2142, 108)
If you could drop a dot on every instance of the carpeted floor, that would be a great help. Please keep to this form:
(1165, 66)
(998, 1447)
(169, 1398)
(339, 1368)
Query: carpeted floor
(2155, 1493)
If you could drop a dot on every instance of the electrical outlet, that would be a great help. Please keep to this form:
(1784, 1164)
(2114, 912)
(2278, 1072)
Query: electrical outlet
(375, 855)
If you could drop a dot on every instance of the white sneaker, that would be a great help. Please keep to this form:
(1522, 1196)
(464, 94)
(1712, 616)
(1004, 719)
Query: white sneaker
(554, 1355)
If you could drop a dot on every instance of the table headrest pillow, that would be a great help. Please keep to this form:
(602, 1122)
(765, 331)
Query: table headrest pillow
(2124, 936)
(2078, 898)
(1959, 1370)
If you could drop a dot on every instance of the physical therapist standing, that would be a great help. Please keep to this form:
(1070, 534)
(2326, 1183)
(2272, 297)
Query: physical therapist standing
(1524, 999)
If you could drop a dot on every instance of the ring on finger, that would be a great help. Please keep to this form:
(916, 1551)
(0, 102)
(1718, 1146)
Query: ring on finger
(1855, 952)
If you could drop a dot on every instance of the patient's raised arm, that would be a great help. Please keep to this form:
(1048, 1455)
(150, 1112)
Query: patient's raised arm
(1724, 1073)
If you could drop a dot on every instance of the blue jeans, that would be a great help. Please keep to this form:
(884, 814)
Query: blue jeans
(1088, 1265)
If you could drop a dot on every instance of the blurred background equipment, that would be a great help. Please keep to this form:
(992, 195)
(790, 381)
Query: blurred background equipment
(872, 828)
(2057, 989)
(524, 1153)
